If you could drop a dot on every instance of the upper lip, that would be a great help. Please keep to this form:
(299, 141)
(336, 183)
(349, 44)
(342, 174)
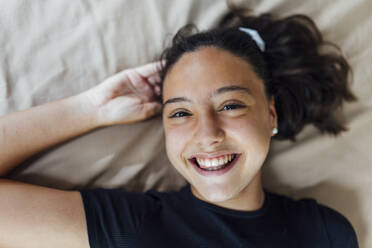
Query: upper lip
(212, 155)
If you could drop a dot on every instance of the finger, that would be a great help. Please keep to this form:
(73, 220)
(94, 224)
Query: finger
(154, 79)
(139, 85)
(144, 70)
(150, 69)
(157, 78)
(157, 90)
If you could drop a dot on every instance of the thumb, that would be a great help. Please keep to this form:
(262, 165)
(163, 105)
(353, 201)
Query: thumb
(152, 108)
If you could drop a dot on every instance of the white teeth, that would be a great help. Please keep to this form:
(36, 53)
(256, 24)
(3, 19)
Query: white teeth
(221, 161)
(214, 162)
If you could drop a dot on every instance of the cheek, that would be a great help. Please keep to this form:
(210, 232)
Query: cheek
(251, 137)
(247, 131)
(175, 139)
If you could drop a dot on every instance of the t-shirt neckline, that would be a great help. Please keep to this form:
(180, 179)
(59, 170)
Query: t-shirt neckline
(254, 213)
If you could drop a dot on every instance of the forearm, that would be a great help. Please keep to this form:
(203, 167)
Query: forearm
(25, 133)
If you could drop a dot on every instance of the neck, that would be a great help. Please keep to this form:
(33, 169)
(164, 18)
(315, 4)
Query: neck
(251, 198)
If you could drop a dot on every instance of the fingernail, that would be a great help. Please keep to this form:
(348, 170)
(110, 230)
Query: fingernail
(151, 80)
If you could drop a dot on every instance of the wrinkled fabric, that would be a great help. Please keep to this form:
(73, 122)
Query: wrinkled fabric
(55, 49)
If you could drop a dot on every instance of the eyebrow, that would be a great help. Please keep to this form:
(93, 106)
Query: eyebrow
(216, 92)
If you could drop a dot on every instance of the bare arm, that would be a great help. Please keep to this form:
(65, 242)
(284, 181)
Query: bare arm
(126, 97)
(34, 216)
(27, 132)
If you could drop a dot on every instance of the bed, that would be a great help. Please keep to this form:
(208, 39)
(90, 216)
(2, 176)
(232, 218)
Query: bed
(54, 49)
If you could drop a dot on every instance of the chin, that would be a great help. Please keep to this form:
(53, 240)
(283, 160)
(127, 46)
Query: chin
(218, 197)
(218, 194)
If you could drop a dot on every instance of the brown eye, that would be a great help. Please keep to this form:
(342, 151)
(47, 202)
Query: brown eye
(179, 114)
(232, 106)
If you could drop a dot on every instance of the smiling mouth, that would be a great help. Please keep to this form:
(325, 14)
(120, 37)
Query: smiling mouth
(209, 167)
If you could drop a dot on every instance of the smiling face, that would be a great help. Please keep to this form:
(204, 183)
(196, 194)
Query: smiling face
(215, 105)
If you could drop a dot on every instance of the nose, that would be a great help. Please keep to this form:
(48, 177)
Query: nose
(209, 131)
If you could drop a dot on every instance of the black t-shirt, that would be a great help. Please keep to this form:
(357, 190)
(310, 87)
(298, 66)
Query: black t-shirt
(118, 218)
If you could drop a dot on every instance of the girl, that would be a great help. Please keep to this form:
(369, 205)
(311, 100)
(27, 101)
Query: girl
(223, 94)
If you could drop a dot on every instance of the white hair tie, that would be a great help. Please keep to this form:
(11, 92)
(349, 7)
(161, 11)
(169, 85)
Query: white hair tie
(255, 36)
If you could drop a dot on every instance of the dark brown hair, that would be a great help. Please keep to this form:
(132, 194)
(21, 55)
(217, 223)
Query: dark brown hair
(308, 80)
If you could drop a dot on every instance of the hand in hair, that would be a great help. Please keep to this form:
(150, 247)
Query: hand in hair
(127, 97)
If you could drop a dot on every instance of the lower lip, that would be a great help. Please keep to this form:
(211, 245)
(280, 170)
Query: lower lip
(216, 172)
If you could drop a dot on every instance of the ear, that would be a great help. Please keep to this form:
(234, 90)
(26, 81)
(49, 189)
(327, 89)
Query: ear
(272, 112)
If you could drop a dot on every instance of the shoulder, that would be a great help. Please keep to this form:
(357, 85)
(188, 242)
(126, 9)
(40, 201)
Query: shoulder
(339, 228)
(140, 203)
(115, 198)
(108, 206)
(311, 215)
(302, 206)
(116, 216)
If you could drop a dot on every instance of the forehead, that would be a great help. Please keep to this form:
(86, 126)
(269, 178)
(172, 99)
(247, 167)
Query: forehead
(207, 69)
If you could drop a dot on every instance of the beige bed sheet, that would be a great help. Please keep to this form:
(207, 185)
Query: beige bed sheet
(53, 49)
